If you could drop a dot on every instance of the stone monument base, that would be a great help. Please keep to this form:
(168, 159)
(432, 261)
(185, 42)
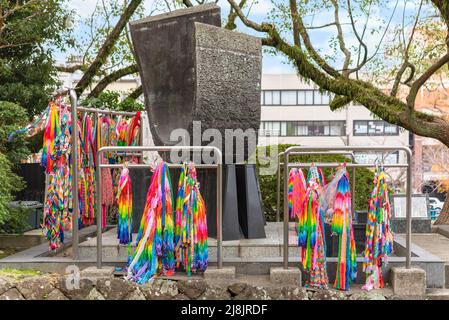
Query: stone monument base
(408, 282)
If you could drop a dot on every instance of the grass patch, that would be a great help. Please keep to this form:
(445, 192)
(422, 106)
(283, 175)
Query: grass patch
(19, 274)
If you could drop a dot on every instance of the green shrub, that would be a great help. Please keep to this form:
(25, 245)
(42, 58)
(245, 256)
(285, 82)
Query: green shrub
(268, 183)
(12, 118)
(112, 100)
(10, 183)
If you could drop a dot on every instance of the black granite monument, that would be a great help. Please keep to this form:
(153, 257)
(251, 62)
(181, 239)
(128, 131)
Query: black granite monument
(194, 71)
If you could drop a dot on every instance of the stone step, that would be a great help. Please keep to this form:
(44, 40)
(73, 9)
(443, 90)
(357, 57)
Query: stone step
(438, 294)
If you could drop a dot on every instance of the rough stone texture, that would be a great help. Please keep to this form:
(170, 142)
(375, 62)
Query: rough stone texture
(228, 74)
(56, 295)
(5, 285)
(85, 286)
(94, 295)
(285, 276)
(237, 288)
(158, 289)
(12, 294)
(294, 293)
(225, 273)
(36, 288)
(408, 282)
(114, 289)
(422, 225)
(367, 296)
(192, 288)
(256, 293)
(136, 295)
(165, 50)
(94, 272)
(215, 293)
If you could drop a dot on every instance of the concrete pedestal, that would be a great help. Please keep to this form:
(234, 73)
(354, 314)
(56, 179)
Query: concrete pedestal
(225, 273)
(290, 276)
(408, 282)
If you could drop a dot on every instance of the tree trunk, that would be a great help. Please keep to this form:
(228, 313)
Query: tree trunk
(443, 218)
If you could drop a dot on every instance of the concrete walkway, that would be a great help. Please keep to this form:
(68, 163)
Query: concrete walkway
(435, 243)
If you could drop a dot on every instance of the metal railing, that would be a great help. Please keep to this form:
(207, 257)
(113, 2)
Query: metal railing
(305, 153)
(287, 166)
(218, 166)
(74, 138)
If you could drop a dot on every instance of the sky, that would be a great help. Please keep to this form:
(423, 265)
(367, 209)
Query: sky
(321, 37)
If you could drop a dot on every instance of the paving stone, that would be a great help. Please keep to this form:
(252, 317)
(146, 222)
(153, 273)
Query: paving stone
(294, 293)
(5, 284)
(215, 293)
(12, 294)
(367, 296)
(192, 288)
(237, 288)
(94, 295)
(114, 289)
(56, 294)
(136, 295)
(79, 292)
(158, 289)
(36, 288)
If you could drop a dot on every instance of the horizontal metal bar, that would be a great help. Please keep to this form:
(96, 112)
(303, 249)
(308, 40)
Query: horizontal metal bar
(170, 165)
(348, 165)
(102, 111)
(347, 148)
(165, 149)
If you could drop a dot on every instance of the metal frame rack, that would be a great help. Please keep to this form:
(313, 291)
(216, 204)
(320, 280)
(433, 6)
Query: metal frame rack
(133, 149)
(217, 166)
(305, 153)
(74, 109)
(325, 150)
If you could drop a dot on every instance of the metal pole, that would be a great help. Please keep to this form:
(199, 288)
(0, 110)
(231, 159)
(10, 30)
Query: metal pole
(219, 214)
(75, 206)
(99, 222)
(408, 258)
(286, 216)
(278, 188)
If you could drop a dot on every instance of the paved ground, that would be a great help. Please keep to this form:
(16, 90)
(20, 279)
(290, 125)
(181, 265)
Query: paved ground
(435, 243)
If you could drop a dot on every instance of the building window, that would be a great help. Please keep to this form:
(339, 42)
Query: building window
(374, 128)
(371, 157)
(303, 128)
(294, 98)
(272, 97)
(288, 98)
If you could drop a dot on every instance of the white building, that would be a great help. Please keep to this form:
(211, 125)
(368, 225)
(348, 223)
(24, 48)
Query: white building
(297, 113)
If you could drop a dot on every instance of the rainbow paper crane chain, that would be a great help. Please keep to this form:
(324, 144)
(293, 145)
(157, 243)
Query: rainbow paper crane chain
(190, 223)
(155, 244)
(296, 192)
(311, 235)
(378, 236)
(55, 160)
(342, 225)
(125, 204)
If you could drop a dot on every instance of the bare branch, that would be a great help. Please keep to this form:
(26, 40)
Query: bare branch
(107, 47)
(116, 75)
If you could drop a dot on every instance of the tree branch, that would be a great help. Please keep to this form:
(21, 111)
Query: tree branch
(107, 47)
(136, 93)
(114, 76)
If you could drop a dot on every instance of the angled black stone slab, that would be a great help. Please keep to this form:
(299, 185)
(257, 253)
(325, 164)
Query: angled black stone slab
(165, 50)
(251, 216)
(140, 182)
(231, 226)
